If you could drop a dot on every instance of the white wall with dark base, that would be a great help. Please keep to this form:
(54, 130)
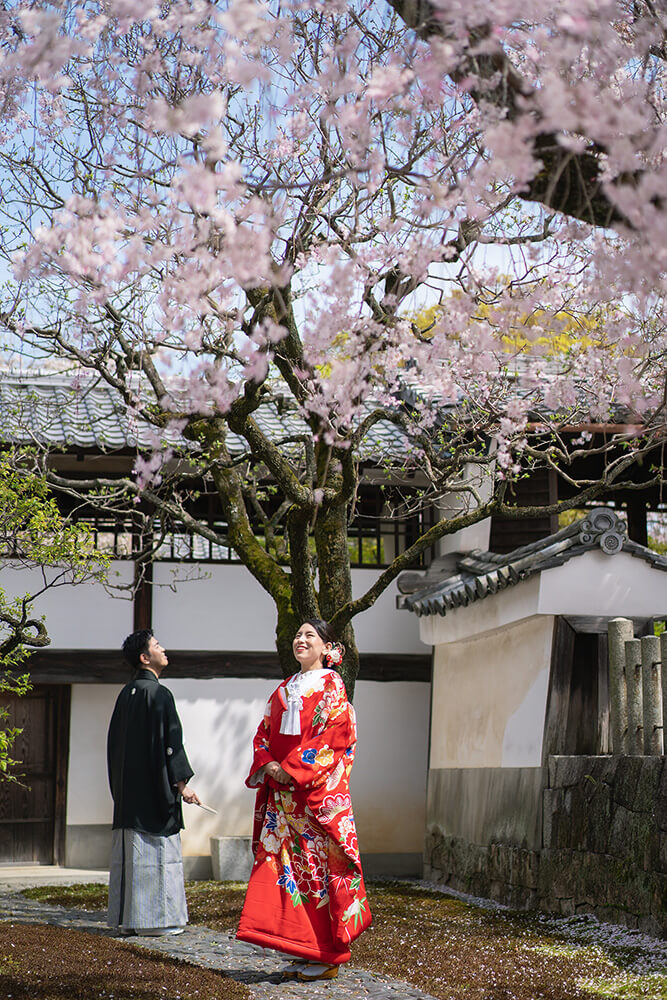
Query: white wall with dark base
(220, 717)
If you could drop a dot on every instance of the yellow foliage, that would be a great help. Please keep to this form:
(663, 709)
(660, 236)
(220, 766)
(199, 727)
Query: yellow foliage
(559, 333)
(339, 349)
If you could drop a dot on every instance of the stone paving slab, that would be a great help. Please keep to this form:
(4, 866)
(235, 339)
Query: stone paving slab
(257, 967)
(18, 877)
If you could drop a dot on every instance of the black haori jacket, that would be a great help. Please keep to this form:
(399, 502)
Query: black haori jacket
(146, 759)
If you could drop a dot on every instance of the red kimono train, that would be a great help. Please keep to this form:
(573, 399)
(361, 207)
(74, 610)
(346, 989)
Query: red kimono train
(306, 894)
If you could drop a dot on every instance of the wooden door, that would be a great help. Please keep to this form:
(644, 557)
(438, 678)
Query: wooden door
(32, 814)
(577, 717)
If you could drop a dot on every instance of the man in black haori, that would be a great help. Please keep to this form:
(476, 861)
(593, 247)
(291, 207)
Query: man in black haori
(148, 775)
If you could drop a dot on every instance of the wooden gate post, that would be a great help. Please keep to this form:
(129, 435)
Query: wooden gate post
(621, 630)
(652, 695)
(633, 681)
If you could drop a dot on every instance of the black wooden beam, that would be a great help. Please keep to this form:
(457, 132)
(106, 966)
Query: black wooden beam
(105, 666)
(62, 731)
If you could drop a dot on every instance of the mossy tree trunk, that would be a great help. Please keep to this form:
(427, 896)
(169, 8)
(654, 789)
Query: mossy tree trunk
(335, 576)
(294, 592)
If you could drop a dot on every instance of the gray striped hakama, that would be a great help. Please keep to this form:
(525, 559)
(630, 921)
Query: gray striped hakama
(146, 889)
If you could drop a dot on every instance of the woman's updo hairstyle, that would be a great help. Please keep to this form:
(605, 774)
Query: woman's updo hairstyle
(334, 657)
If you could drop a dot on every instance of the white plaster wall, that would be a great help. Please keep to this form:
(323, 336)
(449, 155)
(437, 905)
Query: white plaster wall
(388, 783)
(88, 796)
(489, 697)
(481, 617)
(475, 536)
(482, 479)
(383, 629)
(220, 718)
(77, 617)
(230, 611)
(598, 584)
(220, 607)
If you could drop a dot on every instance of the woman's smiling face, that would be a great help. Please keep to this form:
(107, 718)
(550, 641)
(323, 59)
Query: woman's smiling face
(308, 647)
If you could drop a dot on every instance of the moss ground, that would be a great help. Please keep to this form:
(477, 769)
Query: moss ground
(42, 962)
(446, 947)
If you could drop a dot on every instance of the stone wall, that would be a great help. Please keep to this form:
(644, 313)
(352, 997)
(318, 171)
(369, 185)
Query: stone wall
(495, 871)
(484, 830)
(604, 846)
(605, 839)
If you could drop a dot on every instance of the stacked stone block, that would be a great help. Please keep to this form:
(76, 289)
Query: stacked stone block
(604, 846)
(605, 839)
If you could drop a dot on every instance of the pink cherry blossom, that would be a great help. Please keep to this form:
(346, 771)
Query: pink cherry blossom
(328, 209)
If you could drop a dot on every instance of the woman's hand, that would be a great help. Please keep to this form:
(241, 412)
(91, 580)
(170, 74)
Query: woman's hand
(275, 771)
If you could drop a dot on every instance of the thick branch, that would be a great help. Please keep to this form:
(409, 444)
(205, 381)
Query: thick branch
(24, 632)
(567, 182)
(267, 452)
(448, 527)
(304, 598)
(406, 560)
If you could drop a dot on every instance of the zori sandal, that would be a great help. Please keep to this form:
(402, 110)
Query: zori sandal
(313, 972)
(292, 968)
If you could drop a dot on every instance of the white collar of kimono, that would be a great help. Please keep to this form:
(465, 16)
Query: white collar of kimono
(303, 683)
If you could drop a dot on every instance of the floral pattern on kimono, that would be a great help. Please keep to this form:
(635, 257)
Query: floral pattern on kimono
(306, 894)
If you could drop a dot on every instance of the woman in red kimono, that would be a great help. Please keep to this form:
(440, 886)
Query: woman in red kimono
(306, 895)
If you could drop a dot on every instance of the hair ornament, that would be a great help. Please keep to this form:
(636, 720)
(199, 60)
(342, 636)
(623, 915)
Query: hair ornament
(335, 655)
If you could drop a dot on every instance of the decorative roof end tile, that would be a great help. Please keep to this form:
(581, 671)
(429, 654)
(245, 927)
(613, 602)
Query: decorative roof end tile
(478, 574)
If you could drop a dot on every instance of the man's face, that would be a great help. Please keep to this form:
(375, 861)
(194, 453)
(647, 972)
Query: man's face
(156, 658)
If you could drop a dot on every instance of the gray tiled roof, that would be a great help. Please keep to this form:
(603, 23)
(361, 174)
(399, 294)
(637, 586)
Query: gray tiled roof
(479, 574)
(57, 410)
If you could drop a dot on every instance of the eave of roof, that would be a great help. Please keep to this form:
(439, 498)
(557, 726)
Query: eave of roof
(55, 410)
(480, 574)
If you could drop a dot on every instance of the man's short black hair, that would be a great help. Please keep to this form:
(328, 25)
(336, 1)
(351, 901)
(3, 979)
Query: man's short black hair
(135, 645)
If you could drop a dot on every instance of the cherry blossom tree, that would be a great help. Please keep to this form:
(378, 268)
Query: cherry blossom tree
(228, 209)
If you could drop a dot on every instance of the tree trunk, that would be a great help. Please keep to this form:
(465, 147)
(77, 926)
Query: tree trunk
(349, 668)
(335, 576)
(286, 628)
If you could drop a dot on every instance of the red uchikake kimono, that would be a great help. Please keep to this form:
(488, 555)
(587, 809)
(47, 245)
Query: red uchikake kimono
(306, 894)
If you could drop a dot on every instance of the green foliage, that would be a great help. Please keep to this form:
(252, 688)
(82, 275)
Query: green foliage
(568, 517)
(32, 530)
(33, 533)
(657, 545)
(371, 554)
(16, 686)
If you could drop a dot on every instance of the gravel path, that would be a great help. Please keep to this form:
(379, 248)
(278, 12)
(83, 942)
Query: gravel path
(216, 950)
